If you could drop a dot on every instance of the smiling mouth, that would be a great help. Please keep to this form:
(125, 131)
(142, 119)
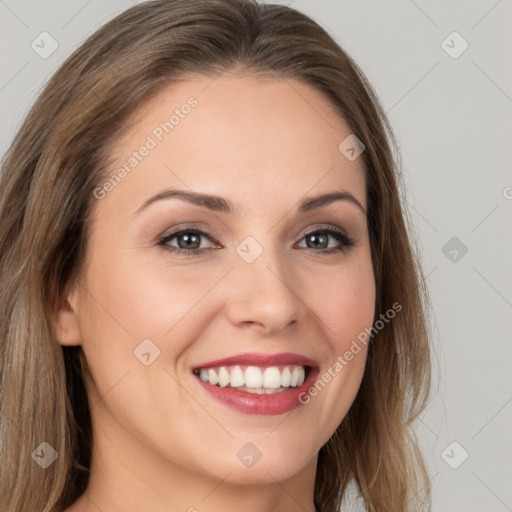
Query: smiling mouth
(255, 379)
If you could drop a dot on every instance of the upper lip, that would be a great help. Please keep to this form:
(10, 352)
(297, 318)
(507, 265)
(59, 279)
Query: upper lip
(255, 359)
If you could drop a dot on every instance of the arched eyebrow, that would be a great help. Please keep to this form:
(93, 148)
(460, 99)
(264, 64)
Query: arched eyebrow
(222, 205)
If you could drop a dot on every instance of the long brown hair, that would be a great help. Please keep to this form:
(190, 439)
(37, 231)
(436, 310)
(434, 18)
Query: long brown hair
(61, 153)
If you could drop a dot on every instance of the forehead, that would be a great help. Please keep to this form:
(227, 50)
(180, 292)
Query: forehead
(240, 135)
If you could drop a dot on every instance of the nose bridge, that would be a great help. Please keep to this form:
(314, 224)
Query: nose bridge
(264, 289)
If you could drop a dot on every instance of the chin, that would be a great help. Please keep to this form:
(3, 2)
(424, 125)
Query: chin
(268, 469)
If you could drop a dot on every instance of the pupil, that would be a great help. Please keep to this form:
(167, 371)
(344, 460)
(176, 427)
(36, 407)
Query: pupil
(188, 238)
(317, 237)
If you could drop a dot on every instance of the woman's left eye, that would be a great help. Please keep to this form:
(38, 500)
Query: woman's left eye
(321, 236)
(189, 241)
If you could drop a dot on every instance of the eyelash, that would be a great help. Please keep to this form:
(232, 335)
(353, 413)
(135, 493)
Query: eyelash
(346, 241)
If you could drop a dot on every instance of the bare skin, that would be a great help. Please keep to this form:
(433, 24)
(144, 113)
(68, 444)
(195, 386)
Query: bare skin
(161, 443)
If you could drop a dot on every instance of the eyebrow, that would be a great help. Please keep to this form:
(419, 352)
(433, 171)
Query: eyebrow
(220, 204)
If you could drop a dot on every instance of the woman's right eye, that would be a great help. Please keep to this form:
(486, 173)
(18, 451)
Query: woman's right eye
(189, 241)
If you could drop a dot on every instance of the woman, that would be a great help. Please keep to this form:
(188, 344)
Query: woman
(209, 297)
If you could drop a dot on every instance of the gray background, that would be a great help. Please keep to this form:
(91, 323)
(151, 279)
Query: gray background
(452, 117)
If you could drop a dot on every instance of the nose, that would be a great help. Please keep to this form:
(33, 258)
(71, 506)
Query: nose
(265, 293)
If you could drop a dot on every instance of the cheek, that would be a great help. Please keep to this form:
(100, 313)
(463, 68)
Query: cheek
(344, 303)
(343, 300)
(132, 301)
(144, 299)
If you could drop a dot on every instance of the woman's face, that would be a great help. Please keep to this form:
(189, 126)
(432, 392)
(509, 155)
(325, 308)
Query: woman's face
(259, 283)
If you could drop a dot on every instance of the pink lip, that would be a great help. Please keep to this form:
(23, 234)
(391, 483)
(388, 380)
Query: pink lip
(265, 405)
(251, 359)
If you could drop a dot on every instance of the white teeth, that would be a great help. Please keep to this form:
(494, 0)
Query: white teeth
(212, 376)
(261, 391)
(254, 379)
(294, 378)
(223, 377)
(302, 376)
(286, 377)
(237, 377)
(257, 391)
(272, 378)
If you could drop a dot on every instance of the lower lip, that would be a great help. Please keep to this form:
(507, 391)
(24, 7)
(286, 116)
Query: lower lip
(265, 405)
